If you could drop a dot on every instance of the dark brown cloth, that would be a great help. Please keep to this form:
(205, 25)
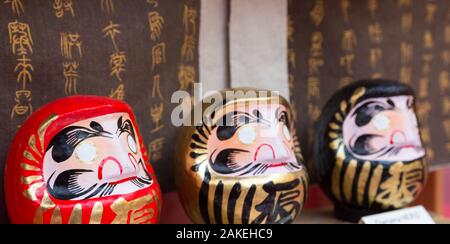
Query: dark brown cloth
(101, 45)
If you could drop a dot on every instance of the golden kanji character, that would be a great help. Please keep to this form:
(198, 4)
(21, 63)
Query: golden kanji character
(107, 6)
(24, 67)
(403, 185)
(294, 109)
(431, 11)
(345, 6)
(423, 110)
(314, 112)
(291, 80)
(376, 75)
(317, 14)
(430, 154)
(407, 20)
(118, 61)
(316, 44)
(153, 2)
(137, 211)
(446, 125)
(349, 40)
(291, 29)
(155, 149)
(425, 132)
(292, 57)
(186, 76)
(427, 60)
(23, 104)
(71, 76)
(314, 65)
(156, 113)
(444, 81)
(375, 33)
(445, 56)
(447, 34)
(446, 105)
(347, 62)
(118, 93)
(406, 53)
(313, 87)
(16, 6)
(190, 20)
(424, 84)
(428, 39)
(62, 6)
(20, 38)
(372, 5)
(111, 31)
(404, 3)
(156, 90)
(344, 81)
(156, 22)
(376, 55)
(406, 74)
(69, 41)
(188, 48)
(158, 54)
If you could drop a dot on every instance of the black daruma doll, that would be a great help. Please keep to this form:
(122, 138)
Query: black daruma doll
(368, 150)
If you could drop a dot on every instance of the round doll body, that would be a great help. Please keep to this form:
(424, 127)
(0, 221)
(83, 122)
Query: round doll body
(368, 149)
(81, 160)
(242, 164)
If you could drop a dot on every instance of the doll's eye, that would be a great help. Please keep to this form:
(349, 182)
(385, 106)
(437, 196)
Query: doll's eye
(247, 135)
(86, 152)
(381, 122)
(287, 133)
(132, 144)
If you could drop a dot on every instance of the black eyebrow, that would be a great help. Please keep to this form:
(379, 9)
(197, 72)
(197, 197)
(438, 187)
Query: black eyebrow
(125, 126)
(368, 110)
(65, 142)
(231, 122)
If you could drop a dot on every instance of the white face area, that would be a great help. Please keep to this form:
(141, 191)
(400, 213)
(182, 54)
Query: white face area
(384, 129)
(94, 158)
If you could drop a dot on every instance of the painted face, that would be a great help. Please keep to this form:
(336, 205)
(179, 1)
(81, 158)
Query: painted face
(384, 129)
(253, 141)
(93, 158)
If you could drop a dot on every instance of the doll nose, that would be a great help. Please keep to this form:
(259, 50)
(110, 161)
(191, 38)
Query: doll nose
(407, 134)
(116, 169)
(265, 152)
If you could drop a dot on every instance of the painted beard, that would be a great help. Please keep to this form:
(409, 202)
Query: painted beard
(71, 184)
(239, 175)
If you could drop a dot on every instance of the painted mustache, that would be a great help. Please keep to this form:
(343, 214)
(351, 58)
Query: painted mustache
(226, 163)
(67, 185)
(362, 147)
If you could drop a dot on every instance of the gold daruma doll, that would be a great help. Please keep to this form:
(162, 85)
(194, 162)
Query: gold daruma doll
(242, 163)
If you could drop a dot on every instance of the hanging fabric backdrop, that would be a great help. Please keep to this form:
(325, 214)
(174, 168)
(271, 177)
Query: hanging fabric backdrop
(333, 43)
(140, 51)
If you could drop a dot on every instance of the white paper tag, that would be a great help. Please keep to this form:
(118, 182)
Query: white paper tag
(414, 215)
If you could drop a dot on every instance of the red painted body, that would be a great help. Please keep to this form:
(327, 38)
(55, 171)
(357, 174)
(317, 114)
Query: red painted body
(41, 207)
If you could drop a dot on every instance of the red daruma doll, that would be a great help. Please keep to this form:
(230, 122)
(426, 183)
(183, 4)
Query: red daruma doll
(81, 160)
